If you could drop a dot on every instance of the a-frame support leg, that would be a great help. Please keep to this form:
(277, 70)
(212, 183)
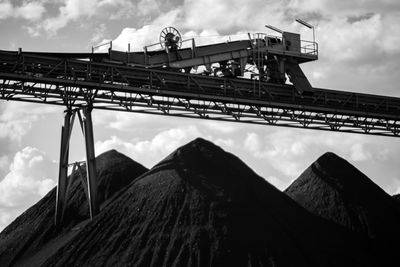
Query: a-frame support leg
(62, 188)
(63, 169)
(90, 161)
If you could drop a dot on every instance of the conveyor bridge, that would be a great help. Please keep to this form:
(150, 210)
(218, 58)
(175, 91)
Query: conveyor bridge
(104, 85)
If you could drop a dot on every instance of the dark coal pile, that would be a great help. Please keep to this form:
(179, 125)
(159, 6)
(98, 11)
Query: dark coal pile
(334, 189)
(397, 198)
(31, 238)
(200, 206)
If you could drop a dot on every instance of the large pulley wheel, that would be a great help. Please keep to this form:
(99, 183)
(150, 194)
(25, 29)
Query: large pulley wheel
(170, 38)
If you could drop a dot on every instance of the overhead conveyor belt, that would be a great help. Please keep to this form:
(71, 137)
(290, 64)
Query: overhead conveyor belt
(75, 83)
(98, 57)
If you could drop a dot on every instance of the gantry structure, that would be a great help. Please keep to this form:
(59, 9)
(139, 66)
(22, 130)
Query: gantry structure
(257, 80)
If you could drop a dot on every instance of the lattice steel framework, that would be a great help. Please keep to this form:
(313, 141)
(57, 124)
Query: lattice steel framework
(114, 86)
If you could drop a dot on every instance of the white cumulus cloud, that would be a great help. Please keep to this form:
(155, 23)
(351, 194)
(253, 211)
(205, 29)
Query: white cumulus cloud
(31, 175)
(153, 149)
(75, 10)
(290, 152)
(31, 11)
(4, 164)
(16, 118)
(6, 9)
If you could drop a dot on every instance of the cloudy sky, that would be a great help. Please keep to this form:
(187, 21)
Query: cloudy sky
(359, 45)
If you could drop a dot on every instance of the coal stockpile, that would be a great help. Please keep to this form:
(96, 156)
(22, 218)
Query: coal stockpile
(32, 237)
(397, 198)
(200, 206)
(334, 189)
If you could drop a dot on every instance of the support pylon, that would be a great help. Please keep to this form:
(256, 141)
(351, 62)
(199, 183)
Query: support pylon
(91, 184)
(90, 161)
(63, 168)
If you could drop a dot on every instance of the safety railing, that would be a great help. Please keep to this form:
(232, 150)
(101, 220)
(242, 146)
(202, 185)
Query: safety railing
(96, 48)
(306, 47)
(309, 47)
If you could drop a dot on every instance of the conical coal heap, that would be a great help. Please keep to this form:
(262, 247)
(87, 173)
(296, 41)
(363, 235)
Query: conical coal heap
(334, 189)
(202, 206)
(32, 236)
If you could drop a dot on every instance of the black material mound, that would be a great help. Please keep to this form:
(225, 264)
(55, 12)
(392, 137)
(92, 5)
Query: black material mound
(202, 206)
(31, 238)
(334, 189)
(397, 198)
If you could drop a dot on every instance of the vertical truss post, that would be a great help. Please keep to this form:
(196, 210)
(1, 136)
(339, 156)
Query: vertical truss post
(90, 161)
(63, 169)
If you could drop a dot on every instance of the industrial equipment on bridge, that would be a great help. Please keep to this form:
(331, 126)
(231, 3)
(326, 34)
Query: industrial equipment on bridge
(275, 57)
(170, 39)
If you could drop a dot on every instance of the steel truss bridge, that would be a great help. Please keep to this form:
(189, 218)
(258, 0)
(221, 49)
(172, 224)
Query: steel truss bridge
(82, 82)
(113, 86)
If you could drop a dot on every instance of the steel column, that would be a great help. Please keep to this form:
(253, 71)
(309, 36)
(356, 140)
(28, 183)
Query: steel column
(90, 187)
(63, 169)
(90, 161)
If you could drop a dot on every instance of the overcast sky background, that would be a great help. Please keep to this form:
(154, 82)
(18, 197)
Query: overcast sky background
(359, 46)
